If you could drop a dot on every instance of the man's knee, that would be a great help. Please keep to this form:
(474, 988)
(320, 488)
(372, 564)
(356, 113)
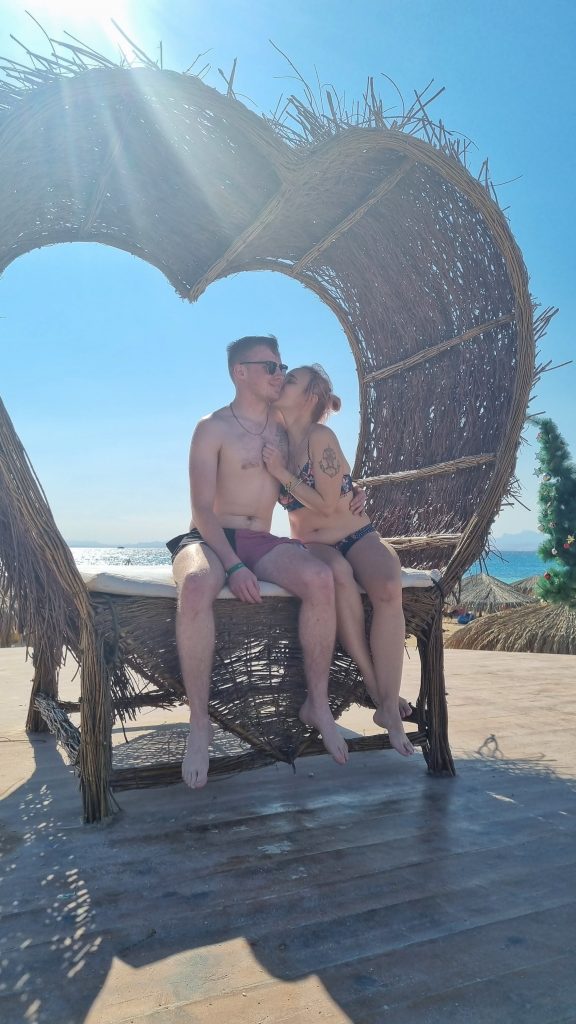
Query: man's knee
(197, 592)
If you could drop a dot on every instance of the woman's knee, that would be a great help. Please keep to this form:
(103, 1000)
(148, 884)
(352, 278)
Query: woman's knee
(385, 588)
(342, 572)
(387, 592)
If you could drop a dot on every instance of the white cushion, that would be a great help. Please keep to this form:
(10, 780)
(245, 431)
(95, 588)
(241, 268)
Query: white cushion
(157, 581)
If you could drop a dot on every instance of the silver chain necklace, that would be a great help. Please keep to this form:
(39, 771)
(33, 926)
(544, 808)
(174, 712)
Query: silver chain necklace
(254, 433)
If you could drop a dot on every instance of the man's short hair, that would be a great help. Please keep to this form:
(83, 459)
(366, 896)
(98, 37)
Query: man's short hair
(239, 350)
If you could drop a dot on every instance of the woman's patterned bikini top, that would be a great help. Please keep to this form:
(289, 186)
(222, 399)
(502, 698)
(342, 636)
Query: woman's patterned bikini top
(305, 474)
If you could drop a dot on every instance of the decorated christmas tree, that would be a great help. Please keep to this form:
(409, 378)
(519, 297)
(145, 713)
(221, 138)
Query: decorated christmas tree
(557, 515)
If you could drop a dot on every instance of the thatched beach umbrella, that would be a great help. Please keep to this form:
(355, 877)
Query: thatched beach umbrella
(540, 629)
(483, 593)
(527, 584)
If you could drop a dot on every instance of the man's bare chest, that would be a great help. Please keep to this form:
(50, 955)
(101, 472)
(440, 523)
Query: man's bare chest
(243, 452)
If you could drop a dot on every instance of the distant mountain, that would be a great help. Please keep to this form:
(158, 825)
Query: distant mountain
(88, 544)
(147, 544)
(525, 540)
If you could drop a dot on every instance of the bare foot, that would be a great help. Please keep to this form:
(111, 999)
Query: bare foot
(405, 708)
(321, 718)
(196, 756)
(388, 717)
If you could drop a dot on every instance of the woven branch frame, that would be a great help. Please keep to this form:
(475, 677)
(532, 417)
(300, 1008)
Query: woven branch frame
(377, 216)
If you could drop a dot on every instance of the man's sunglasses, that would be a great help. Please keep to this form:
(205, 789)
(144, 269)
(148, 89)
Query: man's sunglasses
(271, 366)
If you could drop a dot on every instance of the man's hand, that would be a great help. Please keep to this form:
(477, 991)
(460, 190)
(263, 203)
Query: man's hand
(358, 501)
(245, 586)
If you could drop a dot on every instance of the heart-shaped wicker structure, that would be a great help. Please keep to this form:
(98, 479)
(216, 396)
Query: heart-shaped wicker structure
(379, 217)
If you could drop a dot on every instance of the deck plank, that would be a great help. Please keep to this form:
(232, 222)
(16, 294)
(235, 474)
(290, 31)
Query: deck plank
(361, 895)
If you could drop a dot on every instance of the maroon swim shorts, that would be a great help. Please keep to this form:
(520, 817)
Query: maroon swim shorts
(249, 545)
(252, 545)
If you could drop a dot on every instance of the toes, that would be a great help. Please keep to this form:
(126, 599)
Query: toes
(342, 755)
(194, 777)
(195, 781)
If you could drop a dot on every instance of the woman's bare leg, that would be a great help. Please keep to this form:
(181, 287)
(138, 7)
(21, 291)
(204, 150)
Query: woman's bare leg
(296, 569)
(351, 624)
(377, 568)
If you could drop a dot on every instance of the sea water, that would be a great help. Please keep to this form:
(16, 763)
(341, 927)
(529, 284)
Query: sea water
(121, 556)
(510, 566)
(507, 566)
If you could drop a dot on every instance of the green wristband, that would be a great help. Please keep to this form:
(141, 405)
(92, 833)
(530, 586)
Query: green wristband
(234, 568)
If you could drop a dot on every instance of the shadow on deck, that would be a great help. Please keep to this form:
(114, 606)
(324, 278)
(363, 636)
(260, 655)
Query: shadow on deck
(356, 894)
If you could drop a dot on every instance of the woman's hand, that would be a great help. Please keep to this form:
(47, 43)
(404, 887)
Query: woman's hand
(358, 501)
(274, 462)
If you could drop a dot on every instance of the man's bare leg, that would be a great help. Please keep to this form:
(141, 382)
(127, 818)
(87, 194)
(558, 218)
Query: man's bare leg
(350, 621)
(200, 576)
(306, 577)
(377, 568)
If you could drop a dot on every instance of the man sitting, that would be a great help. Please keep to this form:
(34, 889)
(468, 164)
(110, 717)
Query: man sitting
(233, 498)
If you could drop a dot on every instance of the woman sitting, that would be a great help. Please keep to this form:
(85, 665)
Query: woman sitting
(315, 486)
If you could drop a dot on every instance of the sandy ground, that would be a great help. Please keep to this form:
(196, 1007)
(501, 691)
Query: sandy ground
(449, 626)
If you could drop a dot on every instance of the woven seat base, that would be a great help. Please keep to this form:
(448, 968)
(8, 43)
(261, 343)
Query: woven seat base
(258, 680)
(257, 685)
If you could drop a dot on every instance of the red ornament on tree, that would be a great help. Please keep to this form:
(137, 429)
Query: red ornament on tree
(547, 575)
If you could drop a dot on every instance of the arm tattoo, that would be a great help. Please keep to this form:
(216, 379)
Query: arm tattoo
(329, 462)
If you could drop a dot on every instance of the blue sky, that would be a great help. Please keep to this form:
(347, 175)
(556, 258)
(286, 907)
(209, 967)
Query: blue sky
(105, 370)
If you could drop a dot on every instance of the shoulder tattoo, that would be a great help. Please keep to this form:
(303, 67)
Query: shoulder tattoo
(329, 463)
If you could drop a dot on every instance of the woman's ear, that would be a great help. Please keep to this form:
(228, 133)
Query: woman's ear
(313, 400)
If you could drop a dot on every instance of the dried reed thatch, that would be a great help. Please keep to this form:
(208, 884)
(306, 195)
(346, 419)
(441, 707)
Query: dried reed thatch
(484, 593)
(8, 625)
(540, 629)
(528, 584)
(376, 214)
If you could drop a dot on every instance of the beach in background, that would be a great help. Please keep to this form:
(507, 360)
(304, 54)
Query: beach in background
(508, 566)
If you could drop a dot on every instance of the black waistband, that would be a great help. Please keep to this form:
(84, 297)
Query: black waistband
(194, 536)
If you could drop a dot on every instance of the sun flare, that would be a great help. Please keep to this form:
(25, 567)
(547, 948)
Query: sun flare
(80, 10)
(87, 18)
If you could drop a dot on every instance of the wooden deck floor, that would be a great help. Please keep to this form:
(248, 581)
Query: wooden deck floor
(367, 894)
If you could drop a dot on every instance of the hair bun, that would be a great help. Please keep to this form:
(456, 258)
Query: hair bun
(335, 403)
